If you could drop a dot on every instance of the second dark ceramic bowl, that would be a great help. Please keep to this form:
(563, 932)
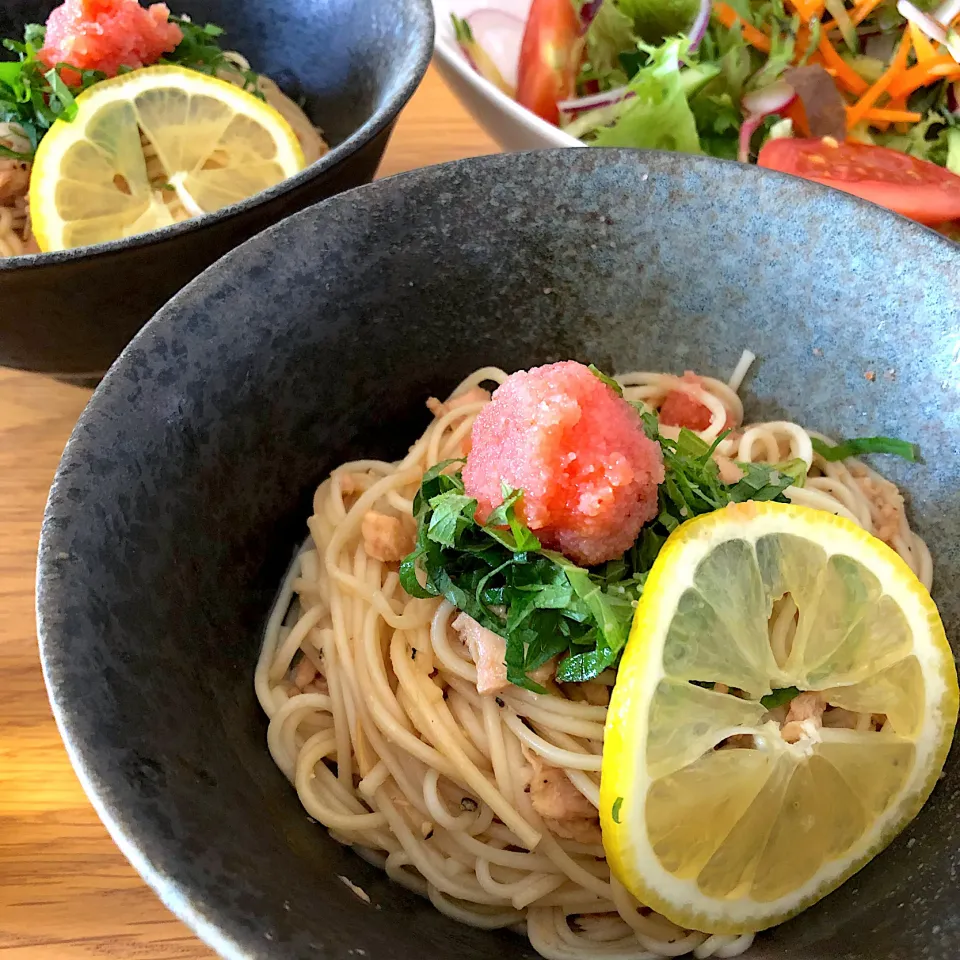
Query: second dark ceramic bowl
(355, 63)
(187, 483)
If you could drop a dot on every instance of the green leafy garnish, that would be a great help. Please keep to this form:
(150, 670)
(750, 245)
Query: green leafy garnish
(865, 445)
(62, 92)
(200, 51)
(779, 697)
(617, 804)
(609, 381)
(610, 34)
(656, 115)
(692, 485)
(543, 604)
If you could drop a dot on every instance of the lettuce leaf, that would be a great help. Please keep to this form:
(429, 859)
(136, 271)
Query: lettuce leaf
(936, 138)
(658, 116)
(716, 106)
(656, 19)
(610, 35)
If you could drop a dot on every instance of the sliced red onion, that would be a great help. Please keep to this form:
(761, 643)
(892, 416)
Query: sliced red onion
(953, 96)
(934, 29)
(588, 13)
(747, 130)
(758, 105)
(594, 101)
(500, 34)
(947, 12)
(769, 99)
(699, 27)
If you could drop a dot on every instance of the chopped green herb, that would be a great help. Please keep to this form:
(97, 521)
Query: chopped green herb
(199, 51)
(864, 445)
(68, 104)
(779, 697)
(692, 485)
(609, 381)
(617, 804)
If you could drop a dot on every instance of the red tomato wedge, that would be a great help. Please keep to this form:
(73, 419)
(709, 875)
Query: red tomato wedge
(914, 188)
(549, 57)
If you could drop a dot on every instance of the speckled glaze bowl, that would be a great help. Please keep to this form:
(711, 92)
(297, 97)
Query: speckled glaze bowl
(354, 63)
(188, 480)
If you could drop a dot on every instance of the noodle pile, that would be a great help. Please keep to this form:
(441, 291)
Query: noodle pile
(376, 719)
(16, 238)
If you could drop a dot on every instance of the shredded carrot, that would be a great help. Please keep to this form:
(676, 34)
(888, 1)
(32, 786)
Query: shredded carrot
(892, 74)
(886, 115)
(840, 69)
(807, 9)
(798, 115)
(923, 74)
(863, 9)
(730, 18)
(921, 45)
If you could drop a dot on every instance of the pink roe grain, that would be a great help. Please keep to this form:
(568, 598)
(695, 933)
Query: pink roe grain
(588, 472)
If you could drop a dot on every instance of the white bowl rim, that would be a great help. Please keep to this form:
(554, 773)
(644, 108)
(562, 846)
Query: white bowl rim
(451, 56)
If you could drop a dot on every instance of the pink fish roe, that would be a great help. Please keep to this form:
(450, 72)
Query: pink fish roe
(108, 34)
(588, 472)
(681, 410)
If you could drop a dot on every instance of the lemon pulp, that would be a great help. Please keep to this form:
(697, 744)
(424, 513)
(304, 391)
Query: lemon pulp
(209, 144)
(709, 815)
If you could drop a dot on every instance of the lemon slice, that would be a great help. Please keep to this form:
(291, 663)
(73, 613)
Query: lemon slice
(207, 144)
(709, 814)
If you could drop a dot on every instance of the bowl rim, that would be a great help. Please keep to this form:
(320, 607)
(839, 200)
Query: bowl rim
(182, 899)
(417, 58)
(448, 54)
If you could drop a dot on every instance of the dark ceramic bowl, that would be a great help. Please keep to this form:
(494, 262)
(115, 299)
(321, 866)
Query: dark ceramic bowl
(188, 480)
(355, 63)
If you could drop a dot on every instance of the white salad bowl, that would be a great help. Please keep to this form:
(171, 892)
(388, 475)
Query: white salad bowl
(511, 125)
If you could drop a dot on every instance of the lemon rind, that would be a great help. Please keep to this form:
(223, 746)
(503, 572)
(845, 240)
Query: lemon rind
(47, 224)
(626, 841)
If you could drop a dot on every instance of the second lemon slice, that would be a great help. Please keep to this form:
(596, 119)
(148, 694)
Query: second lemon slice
(151, 147)
(783, 708)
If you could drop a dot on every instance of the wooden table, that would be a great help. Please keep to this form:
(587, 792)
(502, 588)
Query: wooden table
(66, 892)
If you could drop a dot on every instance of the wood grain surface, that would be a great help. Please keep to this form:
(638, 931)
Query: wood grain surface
(66, 892)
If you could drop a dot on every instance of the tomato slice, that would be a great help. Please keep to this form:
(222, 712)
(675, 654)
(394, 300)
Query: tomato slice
(914, 188)
(549, 57)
